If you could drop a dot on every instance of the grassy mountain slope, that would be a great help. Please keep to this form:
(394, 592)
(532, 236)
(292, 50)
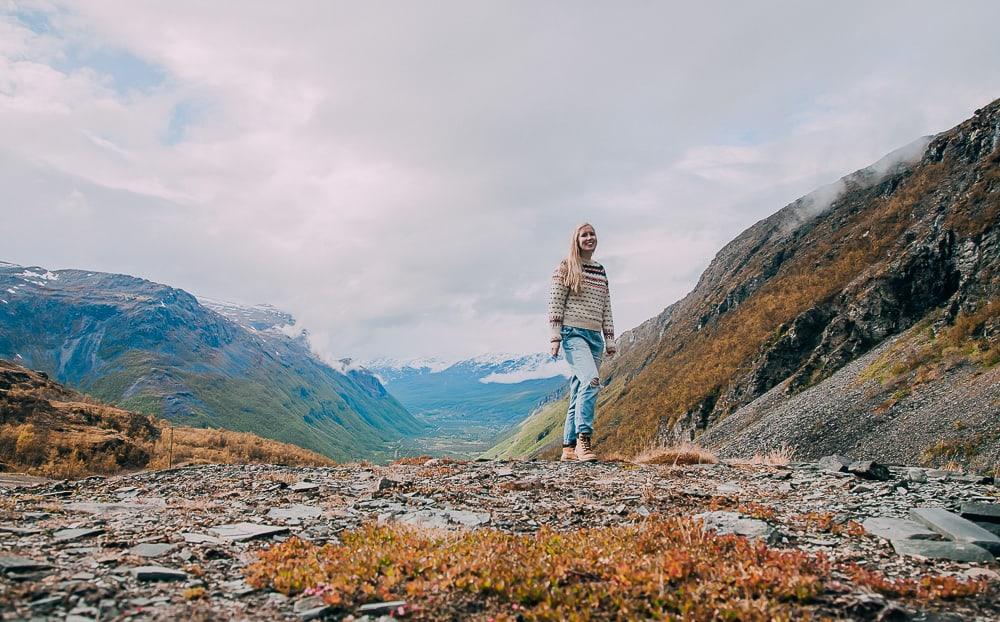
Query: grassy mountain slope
(156, 349)
(47, 429)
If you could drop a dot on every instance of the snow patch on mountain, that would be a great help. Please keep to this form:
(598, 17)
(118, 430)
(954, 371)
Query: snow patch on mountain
(534, 370)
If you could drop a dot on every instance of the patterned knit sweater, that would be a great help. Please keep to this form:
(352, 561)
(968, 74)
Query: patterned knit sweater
(591, 308)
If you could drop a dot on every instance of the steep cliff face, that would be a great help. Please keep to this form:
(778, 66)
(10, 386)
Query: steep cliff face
(799, 295)
(156, 349)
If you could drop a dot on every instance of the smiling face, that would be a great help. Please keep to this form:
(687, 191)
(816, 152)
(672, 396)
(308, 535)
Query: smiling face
(587, 239)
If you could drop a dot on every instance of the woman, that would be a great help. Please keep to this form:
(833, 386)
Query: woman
(580, 317)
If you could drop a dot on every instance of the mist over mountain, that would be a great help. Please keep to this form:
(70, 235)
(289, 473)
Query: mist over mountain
(156, 349)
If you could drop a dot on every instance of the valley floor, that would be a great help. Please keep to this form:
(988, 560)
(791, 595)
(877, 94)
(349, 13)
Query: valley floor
(182, 543)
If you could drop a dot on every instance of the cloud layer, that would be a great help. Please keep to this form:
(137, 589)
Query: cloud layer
(403, 177)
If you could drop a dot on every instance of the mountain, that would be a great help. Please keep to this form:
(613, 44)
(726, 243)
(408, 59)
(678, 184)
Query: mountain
(471, 401)
(48, 429)
(896, 262)
(159, 350)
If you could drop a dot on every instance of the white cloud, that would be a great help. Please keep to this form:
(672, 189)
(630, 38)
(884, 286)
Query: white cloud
(404, 180)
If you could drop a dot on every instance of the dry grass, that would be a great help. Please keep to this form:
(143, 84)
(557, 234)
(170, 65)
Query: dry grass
(677, 455)
(205, 446)
(81, 451)
(779, 456)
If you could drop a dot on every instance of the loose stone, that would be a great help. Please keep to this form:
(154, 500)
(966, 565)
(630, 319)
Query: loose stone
(931, 549)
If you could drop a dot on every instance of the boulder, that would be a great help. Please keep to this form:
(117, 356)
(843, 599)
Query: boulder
(835, 463)
(869, 469)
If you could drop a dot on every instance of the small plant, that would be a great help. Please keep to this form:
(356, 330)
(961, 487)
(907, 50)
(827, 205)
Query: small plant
(193, 593)
(757, 510)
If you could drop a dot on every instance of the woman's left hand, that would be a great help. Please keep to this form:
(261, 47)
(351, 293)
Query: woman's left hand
(611, 351)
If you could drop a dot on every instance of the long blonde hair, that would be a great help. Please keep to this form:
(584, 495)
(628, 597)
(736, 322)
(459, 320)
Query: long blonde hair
(574, 263)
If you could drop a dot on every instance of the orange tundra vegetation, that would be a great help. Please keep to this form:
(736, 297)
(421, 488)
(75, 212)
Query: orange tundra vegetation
(694, 363)
(662, 568)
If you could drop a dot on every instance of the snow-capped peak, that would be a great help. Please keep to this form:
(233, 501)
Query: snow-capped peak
(433, 364)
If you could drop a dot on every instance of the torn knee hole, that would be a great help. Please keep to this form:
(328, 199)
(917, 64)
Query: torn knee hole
(595, 382)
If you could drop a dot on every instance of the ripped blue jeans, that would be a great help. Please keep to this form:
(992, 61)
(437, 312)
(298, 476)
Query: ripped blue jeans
(583, 349)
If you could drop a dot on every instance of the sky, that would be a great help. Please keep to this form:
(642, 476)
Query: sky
(404, 176)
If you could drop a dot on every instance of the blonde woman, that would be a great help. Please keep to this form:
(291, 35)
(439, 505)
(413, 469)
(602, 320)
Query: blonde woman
(580, 318)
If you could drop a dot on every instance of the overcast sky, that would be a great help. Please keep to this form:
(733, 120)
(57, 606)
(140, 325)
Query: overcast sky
(404, 176)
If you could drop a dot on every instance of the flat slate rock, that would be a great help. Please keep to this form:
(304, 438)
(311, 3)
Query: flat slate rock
(152, 549)
(12, 563)
(18, 531)
(444, 519)
(68, 535)
(943, 549)
(384, 607)
(201, 538)
(158, 573)
(898, 529)
(988, 512)
(240, 532)
(110, 509)
(303, 486)
(726, 523)
(957, 528)
(297, 511)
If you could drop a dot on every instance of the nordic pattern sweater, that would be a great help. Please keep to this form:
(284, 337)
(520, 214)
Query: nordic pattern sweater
(590, 308)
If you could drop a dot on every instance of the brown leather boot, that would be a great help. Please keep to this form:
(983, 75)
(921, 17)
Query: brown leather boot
(569, 453)
(584, 450)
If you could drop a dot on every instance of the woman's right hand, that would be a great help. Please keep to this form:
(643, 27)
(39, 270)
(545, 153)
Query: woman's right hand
(554, 350)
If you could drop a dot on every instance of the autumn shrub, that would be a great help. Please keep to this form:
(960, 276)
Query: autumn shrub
(657, 569)
(663, 568)
(934, 587)
(826, 521)
(758, 510)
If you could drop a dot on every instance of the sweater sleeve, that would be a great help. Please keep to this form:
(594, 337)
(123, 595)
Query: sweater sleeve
(558, 292)
(608, 323)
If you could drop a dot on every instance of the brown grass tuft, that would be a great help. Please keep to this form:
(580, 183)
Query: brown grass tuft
(780, 456)
(677, 455)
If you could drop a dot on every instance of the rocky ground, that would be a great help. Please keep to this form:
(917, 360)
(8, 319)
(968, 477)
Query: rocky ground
(173, 545)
